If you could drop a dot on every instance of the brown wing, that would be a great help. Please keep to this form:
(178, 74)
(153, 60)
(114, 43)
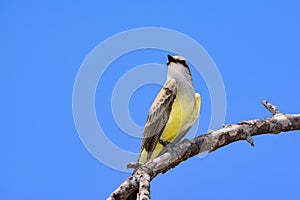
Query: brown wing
(158, 116)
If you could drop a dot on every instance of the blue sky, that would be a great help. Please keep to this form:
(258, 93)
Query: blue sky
(254, 44)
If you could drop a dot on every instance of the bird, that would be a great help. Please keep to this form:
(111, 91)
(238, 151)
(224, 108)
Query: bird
(173, 112)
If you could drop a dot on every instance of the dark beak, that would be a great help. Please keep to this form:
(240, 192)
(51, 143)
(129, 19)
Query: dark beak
(171, 59)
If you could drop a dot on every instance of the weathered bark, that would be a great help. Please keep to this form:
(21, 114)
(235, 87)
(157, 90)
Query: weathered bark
(176, 153)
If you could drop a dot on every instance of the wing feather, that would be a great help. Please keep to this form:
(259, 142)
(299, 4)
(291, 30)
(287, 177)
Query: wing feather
(158, 116)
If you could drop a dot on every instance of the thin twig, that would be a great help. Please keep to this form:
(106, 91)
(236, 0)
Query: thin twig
(271, 108)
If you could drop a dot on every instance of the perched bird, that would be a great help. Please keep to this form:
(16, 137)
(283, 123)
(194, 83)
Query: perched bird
(173, 112)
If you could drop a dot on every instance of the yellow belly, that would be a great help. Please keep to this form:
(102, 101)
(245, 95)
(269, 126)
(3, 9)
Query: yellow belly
(182, 116)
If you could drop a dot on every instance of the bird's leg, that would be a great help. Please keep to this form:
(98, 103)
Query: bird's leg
(164, 143)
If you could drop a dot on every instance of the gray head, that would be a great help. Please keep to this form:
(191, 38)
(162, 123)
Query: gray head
(178, 68)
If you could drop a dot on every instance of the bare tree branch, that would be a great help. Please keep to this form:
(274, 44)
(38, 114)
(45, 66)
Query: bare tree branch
(144, 189)
(176, 153)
